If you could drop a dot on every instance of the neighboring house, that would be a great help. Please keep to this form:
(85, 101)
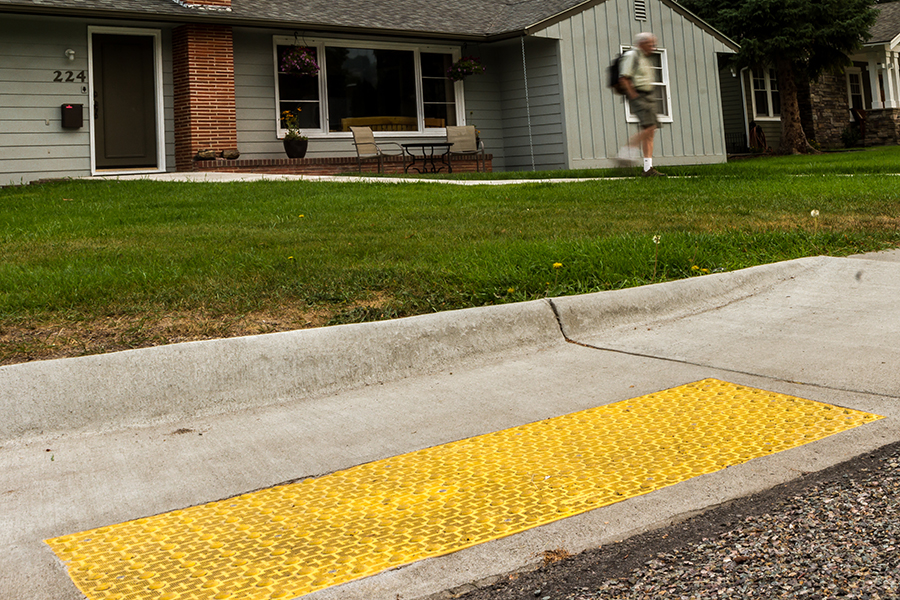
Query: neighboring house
(150, 83)
(862, 100)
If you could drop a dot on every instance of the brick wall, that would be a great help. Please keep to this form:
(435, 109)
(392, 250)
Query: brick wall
(324, 166)
(223, 3)
(205, 115)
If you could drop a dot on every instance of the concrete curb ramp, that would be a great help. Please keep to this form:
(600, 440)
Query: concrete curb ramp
(168, 383)
(90, 442)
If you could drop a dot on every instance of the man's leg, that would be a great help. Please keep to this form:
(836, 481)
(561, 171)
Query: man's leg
(632, 152)
(647, 135)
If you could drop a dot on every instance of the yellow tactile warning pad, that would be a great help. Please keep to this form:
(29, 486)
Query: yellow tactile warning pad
(293, 539)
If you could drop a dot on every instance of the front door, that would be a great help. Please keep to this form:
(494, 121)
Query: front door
(124, 109)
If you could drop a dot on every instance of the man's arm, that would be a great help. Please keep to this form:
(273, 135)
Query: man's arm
(627, 69)
(626, 84)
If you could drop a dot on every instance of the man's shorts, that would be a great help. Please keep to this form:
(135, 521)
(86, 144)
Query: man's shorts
(644, 108)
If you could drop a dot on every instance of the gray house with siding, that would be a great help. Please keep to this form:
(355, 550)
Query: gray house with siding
(142, 86)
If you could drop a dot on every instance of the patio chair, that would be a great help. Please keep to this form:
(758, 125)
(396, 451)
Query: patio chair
(465, 143)
(364, 141)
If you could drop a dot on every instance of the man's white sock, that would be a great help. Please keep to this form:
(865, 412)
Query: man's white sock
(648, 164)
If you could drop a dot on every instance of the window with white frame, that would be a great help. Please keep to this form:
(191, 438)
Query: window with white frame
(388, 87)
(855, 90)
(766, 100)
(661, 91)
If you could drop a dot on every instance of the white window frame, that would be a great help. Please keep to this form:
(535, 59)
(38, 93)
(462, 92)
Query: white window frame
(321, 43)
(862, 89)
(664, 84)
(767, 79)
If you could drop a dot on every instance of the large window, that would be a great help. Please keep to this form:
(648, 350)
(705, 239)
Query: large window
(388, 88)
(766, 100)
(662, 93)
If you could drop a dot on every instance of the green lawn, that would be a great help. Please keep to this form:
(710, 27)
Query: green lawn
(123, 257)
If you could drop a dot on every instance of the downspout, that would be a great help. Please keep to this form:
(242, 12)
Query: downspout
(744, 106)
(527, 104)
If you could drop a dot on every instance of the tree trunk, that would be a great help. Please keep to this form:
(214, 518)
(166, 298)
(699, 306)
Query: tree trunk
(793, 138)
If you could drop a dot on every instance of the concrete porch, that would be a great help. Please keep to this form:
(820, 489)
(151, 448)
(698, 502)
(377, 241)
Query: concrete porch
(338, 165)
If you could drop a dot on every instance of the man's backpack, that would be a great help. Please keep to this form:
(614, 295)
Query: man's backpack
(613, 74)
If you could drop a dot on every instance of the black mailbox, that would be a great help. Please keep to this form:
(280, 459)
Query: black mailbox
(72, 116)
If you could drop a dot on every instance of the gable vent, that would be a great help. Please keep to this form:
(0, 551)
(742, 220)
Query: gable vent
(640, 10)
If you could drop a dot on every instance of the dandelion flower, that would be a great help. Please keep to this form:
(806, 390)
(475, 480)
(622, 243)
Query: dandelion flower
(814, 213)
(656, 239)
(557, 265)
(511, 290)
(695, 268)
(301, 216)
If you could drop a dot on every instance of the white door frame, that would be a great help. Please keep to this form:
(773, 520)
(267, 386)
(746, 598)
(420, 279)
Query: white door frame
(157, 90)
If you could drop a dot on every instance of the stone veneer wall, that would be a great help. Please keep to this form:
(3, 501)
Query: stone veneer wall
(825, 113)
(883, 127)
(825, 110)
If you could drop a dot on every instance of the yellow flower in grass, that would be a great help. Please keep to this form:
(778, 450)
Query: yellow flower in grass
(557, 265)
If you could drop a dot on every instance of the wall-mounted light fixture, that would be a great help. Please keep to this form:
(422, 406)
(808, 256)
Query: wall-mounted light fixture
(70, 54)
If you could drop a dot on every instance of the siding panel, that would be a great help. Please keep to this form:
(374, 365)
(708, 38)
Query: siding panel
(541, 147)
(33, 144)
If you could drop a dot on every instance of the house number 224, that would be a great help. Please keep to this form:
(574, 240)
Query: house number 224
(69, 76)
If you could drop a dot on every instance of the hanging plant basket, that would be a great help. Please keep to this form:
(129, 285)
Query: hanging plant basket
(465, 66)
(299, 61)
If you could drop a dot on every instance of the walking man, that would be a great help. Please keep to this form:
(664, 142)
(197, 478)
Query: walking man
(636, 78)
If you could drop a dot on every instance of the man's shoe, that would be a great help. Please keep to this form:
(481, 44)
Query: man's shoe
(651, 172)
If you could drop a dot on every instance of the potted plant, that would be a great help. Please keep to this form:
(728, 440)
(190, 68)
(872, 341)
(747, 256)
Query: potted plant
(301, 61)
(295, 143)
(465, 66)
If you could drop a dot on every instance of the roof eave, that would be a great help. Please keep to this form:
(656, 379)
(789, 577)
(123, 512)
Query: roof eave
(562, 16)
(889, 43)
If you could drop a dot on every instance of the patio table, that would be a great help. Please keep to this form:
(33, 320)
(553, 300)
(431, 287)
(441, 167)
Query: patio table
(425, 156)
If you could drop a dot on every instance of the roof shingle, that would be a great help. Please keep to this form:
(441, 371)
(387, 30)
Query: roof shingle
(452, 18)
(887, 27)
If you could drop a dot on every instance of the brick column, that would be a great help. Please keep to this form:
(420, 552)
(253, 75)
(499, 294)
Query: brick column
(205, 115)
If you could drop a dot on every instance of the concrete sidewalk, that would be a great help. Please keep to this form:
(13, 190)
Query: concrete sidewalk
(210, 177)
(99, 440)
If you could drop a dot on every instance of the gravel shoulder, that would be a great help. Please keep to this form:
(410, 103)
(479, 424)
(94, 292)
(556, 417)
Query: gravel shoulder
(830, 534)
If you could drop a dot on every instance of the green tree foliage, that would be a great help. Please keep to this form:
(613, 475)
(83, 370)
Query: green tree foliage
(800, 38)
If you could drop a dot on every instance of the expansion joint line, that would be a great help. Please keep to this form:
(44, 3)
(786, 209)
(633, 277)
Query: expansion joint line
(568, 339)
